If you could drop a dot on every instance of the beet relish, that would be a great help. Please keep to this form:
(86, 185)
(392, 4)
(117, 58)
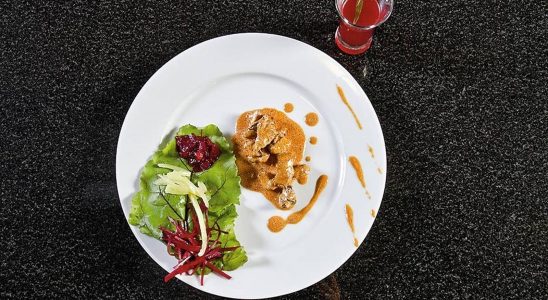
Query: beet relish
(199, 151)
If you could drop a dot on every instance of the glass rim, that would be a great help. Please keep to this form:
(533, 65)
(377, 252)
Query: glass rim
(347, 22)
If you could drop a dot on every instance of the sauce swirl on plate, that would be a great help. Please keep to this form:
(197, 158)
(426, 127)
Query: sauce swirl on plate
(277, 223)
(288, 107)
(371, 151)
(311, 119)
(359, 173)
(372, 154)
(345, 101)
(358, 168)
(350, 218)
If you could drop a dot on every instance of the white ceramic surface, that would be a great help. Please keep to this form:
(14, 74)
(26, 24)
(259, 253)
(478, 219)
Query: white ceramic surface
(217, 80)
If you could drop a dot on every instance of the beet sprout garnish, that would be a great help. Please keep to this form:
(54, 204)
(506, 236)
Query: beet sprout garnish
(185, 245)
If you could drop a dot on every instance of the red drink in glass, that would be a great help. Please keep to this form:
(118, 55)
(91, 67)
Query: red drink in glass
(358, 23)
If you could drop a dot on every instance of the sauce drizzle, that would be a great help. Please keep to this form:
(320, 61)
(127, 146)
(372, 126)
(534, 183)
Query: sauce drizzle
(277, 223)
(288, 107)
(371, 151)
(311, 119)
(297, 216)
(313, 140)
(350, 219)
(358, 168)
(345, 101)
(359, 173)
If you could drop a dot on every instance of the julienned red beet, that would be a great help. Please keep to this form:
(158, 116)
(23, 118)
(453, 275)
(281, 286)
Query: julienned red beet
(199, 151)
(183, 243)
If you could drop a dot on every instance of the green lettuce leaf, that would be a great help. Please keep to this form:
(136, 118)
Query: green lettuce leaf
(222, 178)
(150, 211)
(234, 259)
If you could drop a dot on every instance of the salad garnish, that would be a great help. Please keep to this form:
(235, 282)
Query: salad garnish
(183, 244)
(188, 194)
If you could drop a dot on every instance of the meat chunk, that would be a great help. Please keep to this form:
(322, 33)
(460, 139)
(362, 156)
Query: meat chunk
(265, 178)
(268, 144)
(280, 146)
(284, 173)
(259, 135)
(266, 133)
(277, 176)
(301, 173)
(259, 156)
(287, 197)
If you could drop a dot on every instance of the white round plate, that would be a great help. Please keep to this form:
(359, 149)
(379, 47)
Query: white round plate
(217, 80)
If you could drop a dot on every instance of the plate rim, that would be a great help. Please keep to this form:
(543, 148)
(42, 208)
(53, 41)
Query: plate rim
(317, 51)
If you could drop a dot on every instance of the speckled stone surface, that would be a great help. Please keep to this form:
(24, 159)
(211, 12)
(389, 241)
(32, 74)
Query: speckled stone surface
(459, 87)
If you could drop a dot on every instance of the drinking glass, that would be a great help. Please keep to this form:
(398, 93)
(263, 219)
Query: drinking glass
(358, 20)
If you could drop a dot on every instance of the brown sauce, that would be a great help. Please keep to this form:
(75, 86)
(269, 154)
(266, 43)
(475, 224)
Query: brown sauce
(371, 151)
(359, 173)
(358, 168)
(308, 158)
(277, 223)
(269, 148)
(311, 119)
(288, 107)
(350, 219)
(302, 179)
(313, 140)
(297, 216)
(345, 101)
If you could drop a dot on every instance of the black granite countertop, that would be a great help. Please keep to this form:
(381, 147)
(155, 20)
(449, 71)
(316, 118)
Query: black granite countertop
(460, 88)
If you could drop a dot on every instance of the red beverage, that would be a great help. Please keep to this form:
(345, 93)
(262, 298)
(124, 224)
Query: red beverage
(356, 27)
